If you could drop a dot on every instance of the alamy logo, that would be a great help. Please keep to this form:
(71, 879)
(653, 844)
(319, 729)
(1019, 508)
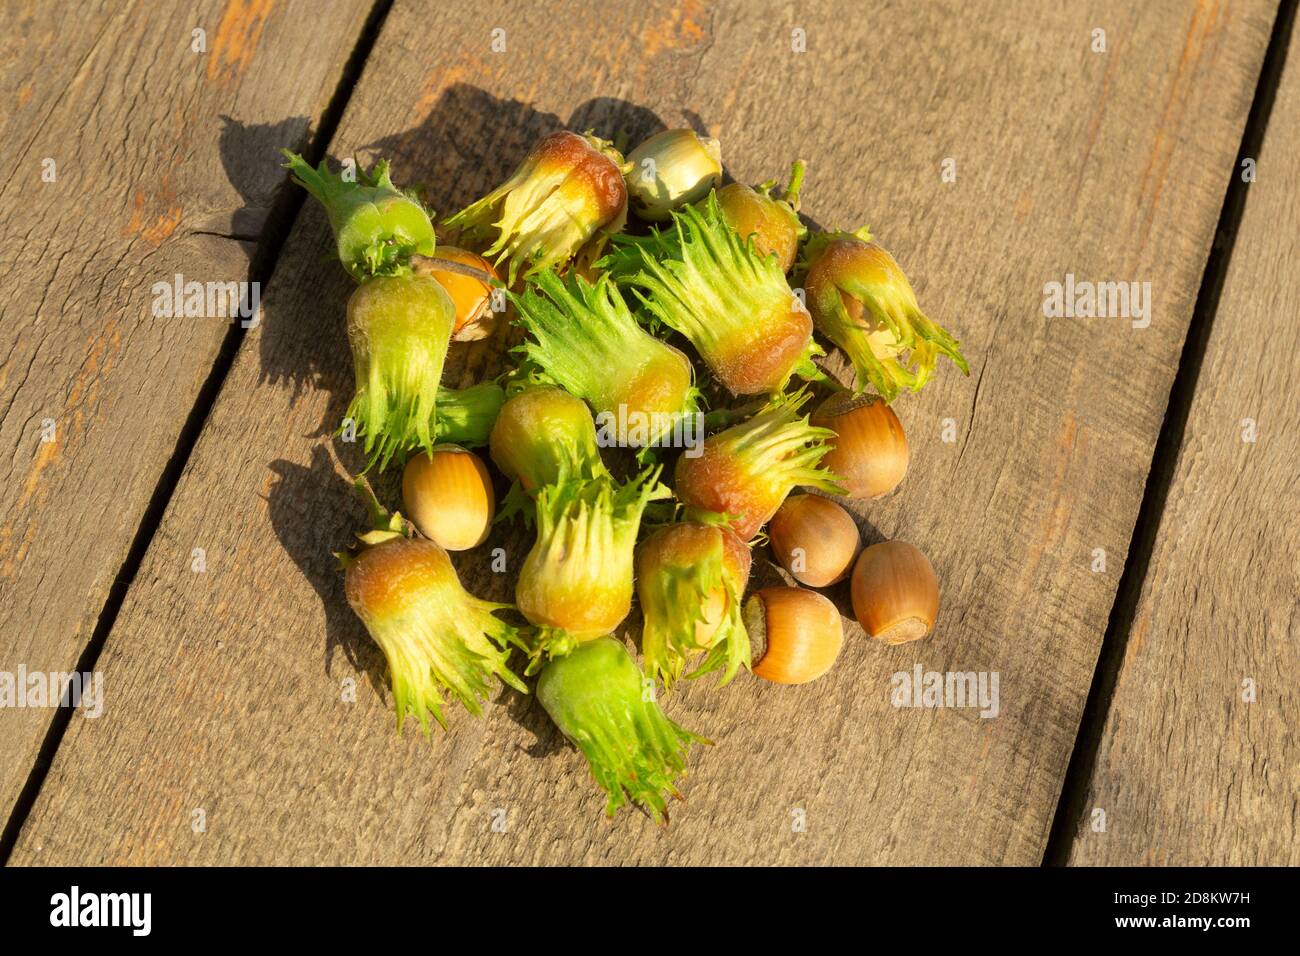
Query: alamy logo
(638, 429)
(179, 299)
(75, 908)
(921, 688)
(26, 688)
(1083, 299)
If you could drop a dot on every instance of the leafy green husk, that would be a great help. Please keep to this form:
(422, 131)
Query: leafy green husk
(902, 349)
(445, 646)
(534, 222)
(787, 207)
(377, 227)
(585, 339)
(465, 416)
(442, 639)
(731, 649)
(582, 561)
(702, 280)
(674, 595)
(776, 450)
(778, 441)
(544, 436)
(399, 328)
(598, 697)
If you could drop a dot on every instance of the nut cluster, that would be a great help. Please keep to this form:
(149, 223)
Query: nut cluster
(676, 334)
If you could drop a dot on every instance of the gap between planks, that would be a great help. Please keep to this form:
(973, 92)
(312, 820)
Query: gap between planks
(261, 269)
(1070, 806)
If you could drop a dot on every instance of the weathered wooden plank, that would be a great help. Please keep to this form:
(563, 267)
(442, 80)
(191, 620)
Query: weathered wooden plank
(132, 157)
(226, 688)
(1199, 763)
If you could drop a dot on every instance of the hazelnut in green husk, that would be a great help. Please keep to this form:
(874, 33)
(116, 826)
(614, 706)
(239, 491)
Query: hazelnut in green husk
(861, 300)
(699, 278)
(772, 223)
(399, 328)
(671, 169)
(576, 582)
(598, 697)
(543, 436)
(583, 337)
(744, 472)
(436, 636)
(689, 579)
(377, 227)
(568, 190)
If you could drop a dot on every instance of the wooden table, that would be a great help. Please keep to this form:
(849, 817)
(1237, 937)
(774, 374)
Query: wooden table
(1110, 504)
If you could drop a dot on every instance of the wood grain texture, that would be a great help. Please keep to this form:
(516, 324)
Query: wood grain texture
(226, 689)
(163, 163)
(1199, 760)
